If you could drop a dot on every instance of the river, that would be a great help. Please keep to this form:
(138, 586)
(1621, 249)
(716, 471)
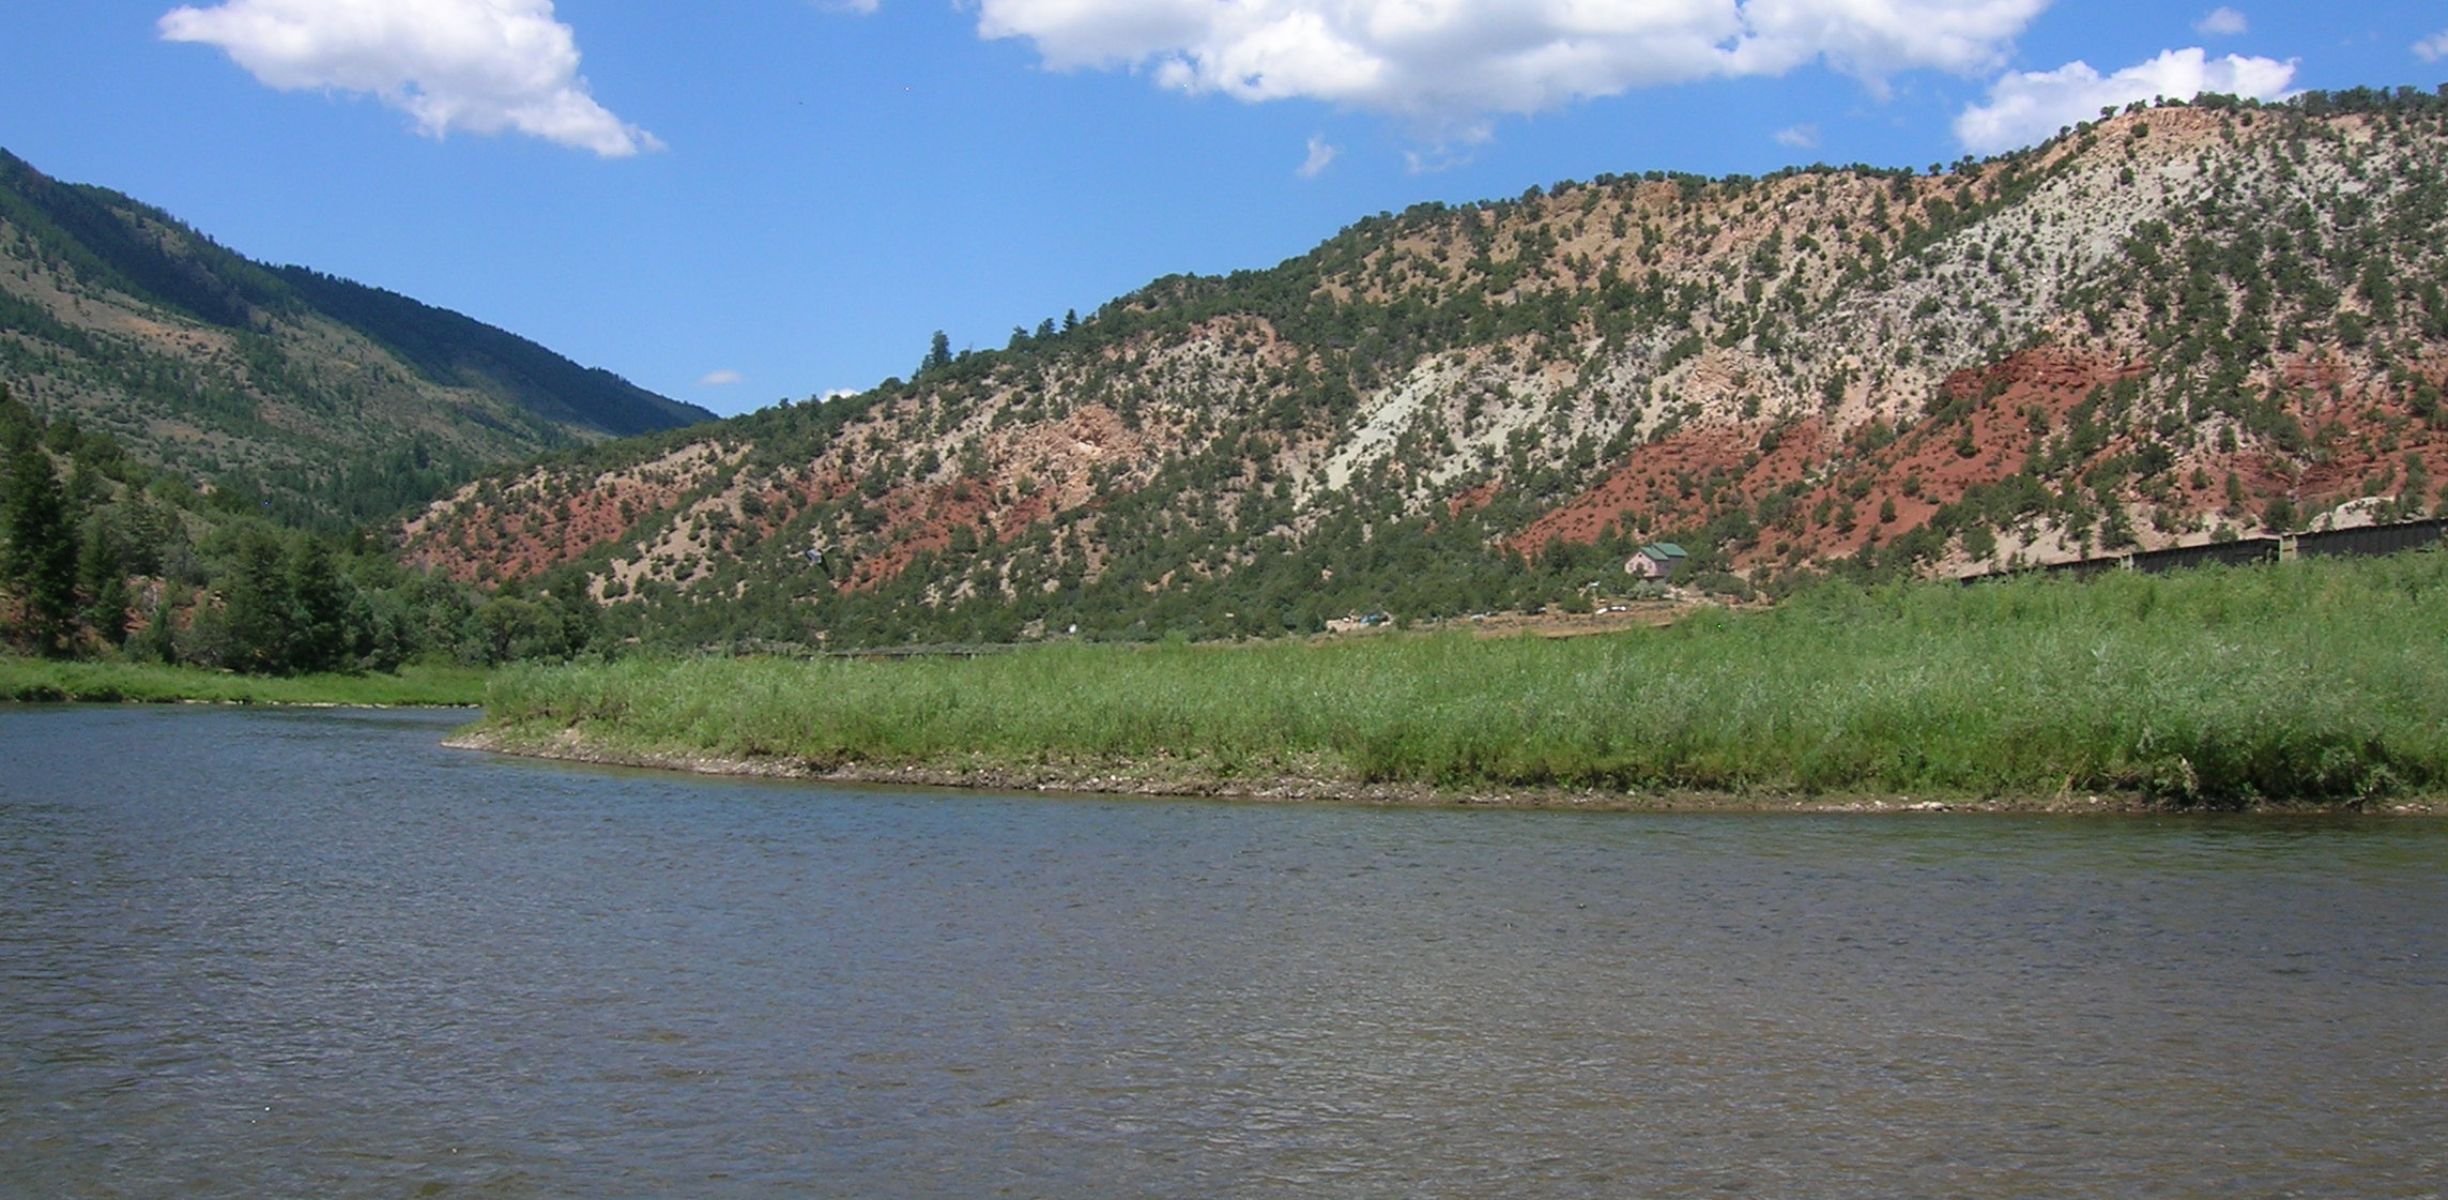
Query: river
(274, 953)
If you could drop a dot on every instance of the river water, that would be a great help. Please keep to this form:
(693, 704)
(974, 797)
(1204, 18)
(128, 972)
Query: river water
(313, 953)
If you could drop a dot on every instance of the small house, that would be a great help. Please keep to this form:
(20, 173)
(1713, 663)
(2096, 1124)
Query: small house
(1658, 560)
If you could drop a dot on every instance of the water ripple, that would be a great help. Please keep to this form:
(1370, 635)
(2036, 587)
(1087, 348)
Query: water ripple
(271, 954)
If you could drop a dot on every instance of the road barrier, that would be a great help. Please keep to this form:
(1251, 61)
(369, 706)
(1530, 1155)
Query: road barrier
(2368, 541)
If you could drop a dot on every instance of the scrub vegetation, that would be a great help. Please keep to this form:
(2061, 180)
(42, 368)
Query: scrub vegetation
(2314, 681)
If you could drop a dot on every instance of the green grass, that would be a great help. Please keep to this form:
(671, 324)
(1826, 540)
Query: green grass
(40, 680)
(2321, 681)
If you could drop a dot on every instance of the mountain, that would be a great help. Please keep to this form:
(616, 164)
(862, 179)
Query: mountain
(326, 400)
(2178, 324)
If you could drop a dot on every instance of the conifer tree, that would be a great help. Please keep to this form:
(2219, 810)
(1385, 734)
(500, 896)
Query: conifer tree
(18, 425)
(158, 641)
(39, 563)
(256, 606)
(319, 604)
(102, 582)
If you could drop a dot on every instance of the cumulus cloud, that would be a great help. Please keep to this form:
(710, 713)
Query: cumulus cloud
(1321, 156)
(1448, 64)
(1800, 137)
(2433, 48)
(2029, 107)
(723, 378)
(2222, 22)
(484, 66)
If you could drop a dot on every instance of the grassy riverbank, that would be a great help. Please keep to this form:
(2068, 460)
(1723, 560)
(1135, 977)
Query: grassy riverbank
(2315, 681)
(41, 680)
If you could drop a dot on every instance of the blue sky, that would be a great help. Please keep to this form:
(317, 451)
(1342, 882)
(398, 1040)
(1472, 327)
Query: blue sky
(738, 202)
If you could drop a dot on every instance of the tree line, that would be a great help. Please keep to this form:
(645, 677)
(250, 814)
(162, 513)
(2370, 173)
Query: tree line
(101, 556)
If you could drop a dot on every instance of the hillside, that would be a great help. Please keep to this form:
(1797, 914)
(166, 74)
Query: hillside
(2178, 324)
(325, 400)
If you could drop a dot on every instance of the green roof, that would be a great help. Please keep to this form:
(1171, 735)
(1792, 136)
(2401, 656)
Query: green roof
(1664, 550)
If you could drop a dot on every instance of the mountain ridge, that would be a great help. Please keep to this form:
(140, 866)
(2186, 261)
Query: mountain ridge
(2187, 321)
(329, 400)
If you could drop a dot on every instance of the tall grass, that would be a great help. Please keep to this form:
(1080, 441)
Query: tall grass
(31, 679)
(2316, 680)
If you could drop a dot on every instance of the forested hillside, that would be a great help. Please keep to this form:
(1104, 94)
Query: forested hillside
(2181, 323)
(319, 400)
(104, 556)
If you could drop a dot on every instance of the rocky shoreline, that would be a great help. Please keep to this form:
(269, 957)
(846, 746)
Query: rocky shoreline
(1189, 780)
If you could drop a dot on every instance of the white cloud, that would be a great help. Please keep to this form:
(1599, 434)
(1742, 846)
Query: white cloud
(1874, 39)
(723, 378)
(1800, 137)
(1449, 64)
(2433, 48)
(2029, 107)
(484, 66)
(2222, 22)
(1321, 156)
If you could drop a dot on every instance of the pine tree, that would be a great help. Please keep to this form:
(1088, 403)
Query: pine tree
(19, 428)
(102, 581)
(256, 607)
(938, 355)
(39, 565)
(319, 601)
(158, 641)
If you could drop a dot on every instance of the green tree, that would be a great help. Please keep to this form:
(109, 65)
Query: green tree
(1980, 543)
(515, 628)
(256, 608)
(19, 427)
(147, 533)
(938, 355)
(158, 640)
(320, 603)
(102, 582)
(40, 561)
